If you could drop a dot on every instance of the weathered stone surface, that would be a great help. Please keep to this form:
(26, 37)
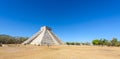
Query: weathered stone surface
(44, 37)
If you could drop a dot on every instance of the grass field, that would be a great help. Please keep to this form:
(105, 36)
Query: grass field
(59, 52)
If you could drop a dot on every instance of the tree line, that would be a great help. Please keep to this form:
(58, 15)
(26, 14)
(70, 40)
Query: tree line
(7, 39)
(105, 42)
(99, 42)
(77, 43)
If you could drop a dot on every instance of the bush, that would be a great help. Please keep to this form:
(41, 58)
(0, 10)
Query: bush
(77, 43)
(114, 41)
(117, 44)
(72, 43)
(96, 42)
(68, 43)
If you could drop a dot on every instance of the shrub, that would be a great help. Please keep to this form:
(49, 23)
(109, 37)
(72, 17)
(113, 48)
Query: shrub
(96, 42)
(77, 43)
(68, 43)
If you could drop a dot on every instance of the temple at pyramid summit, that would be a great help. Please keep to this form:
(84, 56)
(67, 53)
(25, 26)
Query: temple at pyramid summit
(44, 37)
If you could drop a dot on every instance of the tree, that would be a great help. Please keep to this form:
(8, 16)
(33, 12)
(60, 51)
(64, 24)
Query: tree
(72, 43)
(114, 41)
(103, 42)
(77, 43)
(96, 42)
(68, 43)
(117, 44)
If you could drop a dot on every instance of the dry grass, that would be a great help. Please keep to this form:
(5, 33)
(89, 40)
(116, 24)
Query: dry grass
(59, 52)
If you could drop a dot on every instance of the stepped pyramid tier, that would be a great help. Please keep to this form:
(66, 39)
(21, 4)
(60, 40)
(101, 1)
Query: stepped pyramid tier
(44, 37)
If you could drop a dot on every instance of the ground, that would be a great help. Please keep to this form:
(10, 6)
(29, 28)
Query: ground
(59, 52)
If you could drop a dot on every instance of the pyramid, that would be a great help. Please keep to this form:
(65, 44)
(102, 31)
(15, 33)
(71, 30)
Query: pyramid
(43, 37)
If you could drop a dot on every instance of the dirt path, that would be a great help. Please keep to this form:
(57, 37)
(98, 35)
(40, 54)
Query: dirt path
(59, 52)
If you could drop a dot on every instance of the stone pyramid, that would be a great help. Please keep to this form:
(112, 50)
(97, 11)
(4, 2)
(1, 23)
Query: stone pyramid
(44, 37)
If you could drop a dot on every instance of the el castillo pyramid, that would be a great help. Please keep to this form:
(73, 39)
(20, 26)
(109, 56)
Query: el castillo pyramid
(43, 37)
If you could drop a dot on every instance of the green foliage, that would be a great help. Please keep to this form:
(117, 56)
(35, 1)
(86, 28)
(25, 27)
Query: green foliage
(77, 43)
(114, 41)
(72, 43)
(68, 43)
(85, 43)
(117, 44)
(109, 44)
(96, 42)
(6, 39)
(104, 42)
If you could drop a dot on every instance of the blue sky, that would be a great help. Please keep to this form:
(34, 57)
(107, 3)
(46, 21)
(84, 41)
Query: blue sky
(71, 20)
